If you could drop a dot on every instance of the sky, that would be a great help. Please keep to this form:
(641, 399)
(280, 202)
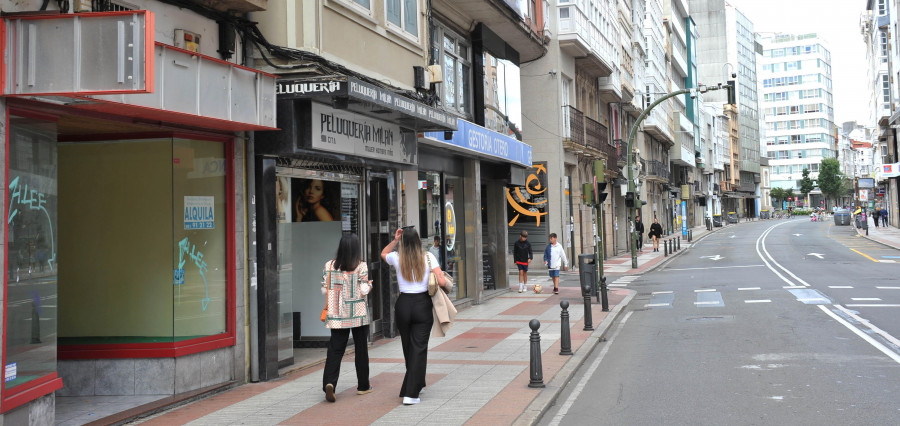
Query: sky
(837, 21)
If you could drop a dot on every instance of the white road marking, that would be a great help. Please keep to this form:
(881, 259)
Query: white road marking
(655, 305)
(865, 299)
(662, 292)
(888, 288)
(716, 257)
(761, 244)
(814, 299)
(887, 261)
(748, 288)
(758, 301)
(708, 302)
(866, 322)
(714, 267)
(793, 286)
(893, 355)
(840, 286)
(703, 290)
(619, 285)
(872, 305)
(579, 388)
(819, 255)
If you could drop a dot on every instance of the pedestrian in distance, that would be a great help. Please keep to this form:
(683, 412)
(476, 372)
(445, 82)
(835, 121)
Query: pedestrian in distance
(884, 217)
(345, 282)
(523, 255)
(554, 258)
(876, 215)
(435, 248)
(414, 307)
(639, 227)
(655, 233)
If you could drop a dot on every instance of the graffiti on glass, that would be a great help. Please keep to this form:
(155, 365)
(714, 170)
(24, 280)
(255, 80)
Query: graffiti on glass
(30, 199)
(185, 247)
(535, 203)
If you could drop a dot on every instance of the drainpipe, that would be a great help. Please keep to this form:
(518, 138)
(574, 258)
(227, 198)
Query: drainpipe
(250, 231)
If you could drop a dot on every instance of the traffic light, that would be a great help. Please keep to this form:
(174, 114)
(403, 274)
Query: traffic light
(600, 178)
(731, 98)
(587, 193)
(629, 199)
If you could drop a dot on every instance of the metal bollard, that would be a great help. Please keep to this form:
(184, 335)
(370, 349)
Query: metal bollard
(565, 337)
(679, 243)
(588, 319)
(665, 247)
(537, 372)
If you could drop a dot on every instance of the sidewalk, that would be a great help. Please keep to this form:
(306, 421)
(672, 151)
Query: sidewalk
(889, 236)
(477, 374)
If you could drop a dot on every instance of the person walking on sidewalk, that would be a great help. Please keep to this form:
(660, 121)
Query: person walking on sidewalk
(876, 215)
(522, 255)
(884, 217)
(655, 233)
(554, 258)
(345, 282)
(639, 227)
(414, 308)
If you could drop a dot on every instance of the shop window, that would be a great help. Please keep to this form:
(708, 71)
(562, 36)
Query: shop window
(143, 239)
(31, 256)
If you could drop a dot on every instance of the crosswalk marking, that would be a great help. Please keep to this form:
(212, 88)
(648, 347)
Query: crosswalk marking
(758, 301)
(623, 281)
(748, 288)
(703, 290)
(707, 302)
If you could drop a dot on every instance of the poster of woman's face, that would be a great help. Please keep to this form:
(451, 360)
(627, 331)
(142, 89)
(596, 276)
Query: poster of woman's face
(283, 199)
(315, 200)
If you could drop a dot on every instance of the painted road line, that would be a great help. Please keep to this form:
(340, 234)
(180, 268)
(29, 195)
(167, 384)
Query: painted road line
(810, 296)
(748, 288)
(714, 267)
(579, 388)
(793, 286)
(840, 286)
(758, 301)
(888, 288)
(661, 300)
(709, 299)
(887, 261)
(865, 299)
(872, 305)
(655, 305)
(619, 285)
(662, 292)
(893, 355)
(866, 322)
(865, 255)
(703, 290)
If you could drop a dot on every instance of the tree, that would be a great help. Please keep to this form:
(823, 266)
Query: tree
(789, 193)
(778, 194)
(831, 179)
(806, 184)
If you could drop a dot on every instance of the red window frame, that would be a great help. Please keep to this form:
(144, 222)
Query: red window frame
(52, 382)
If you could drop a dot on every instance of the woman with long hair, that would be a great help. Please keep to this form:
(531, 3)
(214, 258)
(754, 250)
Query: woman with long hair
(346, 284)
(413, 309)
(313, 203)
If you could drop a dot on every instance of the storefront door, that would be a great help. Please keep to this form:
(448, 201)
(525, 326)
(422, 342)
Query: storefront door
(379, 233)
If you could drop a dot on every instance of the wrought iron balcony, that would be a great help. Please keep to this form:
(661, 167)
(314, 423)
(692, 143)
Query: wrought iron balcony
(573, 122)
(656, 169)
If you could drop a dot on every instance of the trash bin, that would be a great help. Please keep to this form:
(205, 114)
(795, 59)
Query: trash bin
(717, 220)
(763, 214)
(842, 217)
(587, 271)
(732, 217)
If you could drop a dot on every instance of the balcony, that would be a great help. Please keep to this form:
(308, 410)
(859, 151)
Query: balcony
(502, 17)
(656, 170)
(597, 139)
(657, 126)
(610, 88)
(573, 129)
(581, 39)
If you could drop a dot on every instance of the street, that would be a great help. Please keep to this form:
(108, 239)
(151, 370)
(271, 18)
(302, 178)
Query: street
(771, 322)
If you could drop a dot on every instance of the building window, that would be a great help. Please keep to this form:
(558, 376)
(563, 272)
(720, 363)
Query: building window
(884, 46)
(882, 7)
(403, 14)
(885, 89)
(453, 53)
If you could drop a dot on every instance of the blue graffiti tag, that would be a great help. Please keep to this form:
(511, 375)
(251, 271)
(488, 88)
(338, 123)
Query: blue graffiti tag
(196, 256)
(31, 200)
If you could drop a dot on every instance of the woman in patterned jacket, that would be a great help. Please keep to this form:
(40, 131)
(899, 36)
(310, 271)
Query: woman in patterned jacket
(345, 281)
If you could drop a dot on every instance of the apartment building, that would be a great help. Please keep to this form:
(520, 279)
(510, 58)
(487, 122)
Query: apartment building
(798, 106)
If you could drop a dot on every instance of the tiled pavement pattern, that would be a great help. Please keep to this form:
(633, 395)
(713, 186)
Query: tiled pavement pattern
(478, 374)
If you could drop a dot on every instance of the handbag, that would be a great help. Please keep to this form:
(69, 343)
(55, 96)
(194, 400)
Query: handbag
(324, 314)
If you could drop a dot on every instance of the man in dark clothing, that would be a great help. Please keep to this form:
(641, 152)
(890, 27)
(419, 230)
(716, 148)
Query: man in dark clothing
(522, 255)
(639, 227)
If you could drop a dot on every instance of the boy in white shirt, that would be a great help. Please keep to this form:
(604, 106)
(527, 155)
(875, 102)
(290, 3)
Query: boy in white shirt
(554, 258)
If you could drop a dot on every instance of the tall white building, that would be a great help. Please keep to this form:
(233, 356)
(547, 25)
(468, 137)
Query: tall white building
(798, 106)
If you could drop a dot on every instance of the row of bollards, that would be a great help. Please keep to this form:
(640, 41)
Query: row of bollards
(536, 370)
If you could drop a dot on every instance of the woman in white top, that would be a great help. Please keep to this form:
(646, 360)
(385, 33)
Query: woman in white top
(413, 309)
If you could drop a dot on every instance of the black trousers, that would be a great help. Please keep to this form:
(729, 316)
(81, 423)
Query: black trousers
(336, 348)
(414, 321)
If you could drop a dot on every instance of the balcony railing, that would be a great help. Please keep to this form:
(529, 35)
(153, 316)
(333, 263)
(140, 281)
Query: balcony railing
(598, 138)
(573, 121)
(657, 168)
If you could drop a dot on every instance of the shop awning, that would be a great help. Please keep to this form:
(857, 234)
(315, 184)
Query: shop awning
(122, 72)
(355, 95)
(476, 141)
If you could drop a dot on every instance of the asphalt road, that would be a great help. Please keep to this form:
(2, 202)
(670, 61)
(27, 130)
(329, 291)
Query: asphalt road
(771, 322)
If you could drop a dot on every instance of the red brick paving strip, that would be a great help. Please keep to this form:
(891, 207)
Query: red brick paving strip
(478, 339)
(353, 409)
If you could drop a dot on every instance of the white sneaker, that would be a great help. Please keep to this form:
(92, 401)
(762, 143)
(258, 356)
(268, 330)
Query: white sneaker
(521, 288)
(411, 401)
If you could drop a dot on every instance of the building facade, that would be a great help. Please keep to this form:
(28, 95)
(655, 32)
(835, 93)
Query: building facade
(798, 107)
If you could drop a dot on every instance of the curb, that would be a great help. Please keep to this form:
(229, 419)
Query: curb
(862, 234)
(549, 395)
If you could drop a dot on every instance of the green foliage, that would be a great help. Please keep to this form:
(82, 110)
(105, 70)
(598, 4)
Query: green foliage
(806, 184)
(831, 180)
(777, 194)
